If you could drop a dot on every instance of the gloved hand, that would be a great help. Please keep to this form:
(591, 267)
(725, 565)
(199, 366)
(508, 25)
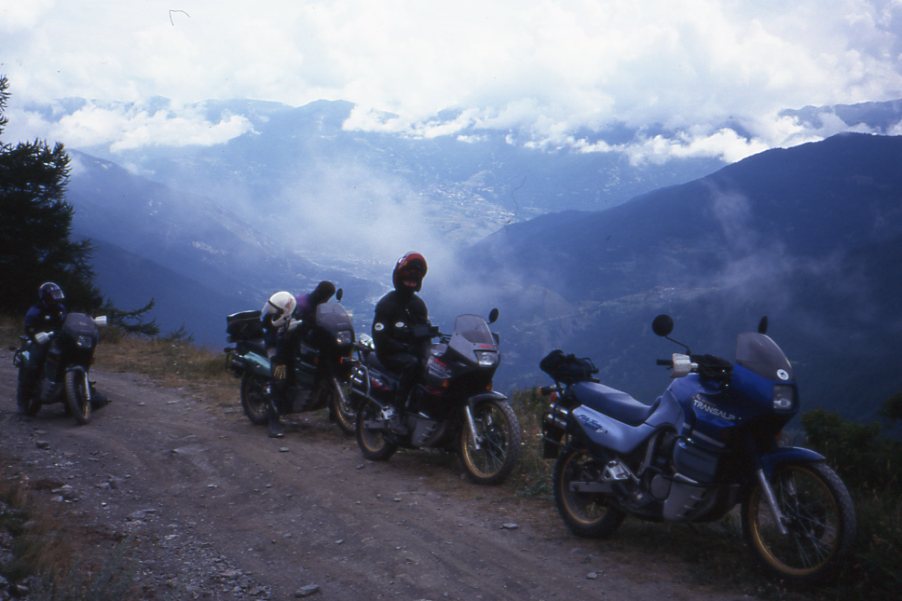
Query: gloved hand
(279, 372)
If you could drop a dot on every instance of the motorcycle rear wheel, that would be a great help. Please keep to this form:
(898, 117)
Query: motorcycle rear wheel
(819, 515)
(342, 413)
(255, 398)
(588, 515)
(77, 397)
(372, 443)
(497, 425)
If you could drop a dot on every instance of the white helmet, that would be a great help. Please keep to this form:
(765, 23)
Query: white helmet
(280, 305)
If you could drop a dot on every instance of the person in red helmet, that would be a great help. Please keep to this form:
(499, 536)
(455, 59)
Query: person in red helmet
(397, 328)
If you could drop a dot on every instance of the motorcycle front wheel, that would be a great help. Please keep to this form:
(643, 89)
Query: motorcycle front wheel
(372, 443)
(255, 398)
(77, 396)
(341, 409)
(818, 513)
(587, 514)
(499, 432)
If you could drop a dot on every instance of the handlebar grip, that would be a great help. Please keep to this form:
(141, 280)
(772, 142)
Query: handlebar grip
(664, 362)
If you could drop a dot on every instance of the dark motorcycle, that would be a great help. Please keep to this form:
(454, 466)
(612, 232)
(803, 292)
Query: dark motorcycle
(707, 444)
(64, 377)
(318, 375)
(452, 408)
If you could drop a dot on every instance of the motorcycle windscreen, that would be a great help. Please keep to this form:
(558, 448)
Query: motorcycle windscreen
(760, 354)
(473, 329)
(333, 318)
(471, 334)
(79, 326)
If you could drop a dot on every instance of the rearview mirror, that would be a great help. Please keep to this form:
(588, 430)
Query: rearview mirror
(662, 325)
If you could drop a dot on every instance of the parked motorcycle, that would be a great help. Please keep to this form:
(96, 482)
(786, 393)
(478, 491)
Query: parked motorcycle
(318, 375)
(65, 375)
(708, 443)
(452, 408)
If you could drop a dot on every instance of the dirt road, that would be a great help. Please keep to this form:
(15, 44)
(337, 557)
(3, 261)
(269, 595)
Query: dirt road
(213, 509)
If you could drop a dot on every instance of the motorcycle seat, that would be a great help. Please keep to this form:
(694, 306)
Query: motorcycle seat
(612, 402)
(256, 345)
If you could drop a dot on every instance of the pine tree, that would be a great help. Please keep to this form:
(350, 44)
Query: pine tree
(35, 225)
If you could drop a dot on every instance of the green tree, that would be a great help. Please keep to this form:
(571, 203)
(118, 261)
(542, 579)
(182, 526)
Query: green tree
(35, 227)
(892, 407)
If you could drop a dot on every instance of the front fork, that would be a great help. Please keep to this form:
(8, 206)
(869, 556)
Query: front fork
(87, 381)
(772, 501)
(471, 424)
(343, 402)
(84, 374)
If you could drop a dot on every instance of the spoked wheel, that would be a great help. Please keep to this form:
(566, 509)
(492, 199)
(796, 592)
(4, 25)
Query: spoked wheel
(586, 512)
(818, 515)
(498, 432)
(372, 442)
(338, 400)
(77, 396)
(255, 398)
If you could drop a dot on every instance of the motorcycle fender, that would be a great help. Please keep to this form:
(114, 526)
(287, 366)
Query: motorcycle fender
(771, 460)
(485, 396)
(254, 363)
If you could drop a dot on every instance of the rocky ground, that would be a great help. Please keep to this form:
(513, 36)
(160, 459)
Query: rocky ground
(200, 504)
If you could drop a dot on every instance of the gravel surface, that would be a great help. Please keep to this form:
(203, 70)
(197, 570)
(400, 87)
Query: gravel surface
(207, 507)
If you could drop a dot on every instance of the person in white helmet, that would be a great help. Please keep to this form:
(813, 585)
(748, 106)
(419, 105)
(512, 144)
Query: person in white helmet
(276, 317)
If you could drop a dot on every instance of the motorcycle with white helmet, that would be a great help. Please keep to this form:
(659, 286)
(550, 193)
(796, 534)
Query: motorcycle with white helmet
(319, 358)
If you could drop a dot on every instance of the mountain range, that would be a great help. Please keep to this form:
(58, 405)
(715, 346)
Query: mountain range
(810, 236)
(578, 250)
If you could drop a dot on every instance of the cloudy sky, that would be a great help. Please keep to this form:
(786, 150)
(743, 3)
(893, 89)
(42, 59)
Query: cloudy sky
(551, 69)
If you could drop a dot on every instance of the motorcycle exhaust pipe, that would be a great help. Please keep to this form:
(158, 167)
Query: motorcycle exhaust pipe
(557, 416)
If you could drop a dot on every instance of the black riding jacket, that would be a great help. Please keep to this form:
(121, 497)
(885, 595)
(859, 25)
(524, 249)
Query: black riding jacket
(396, 313)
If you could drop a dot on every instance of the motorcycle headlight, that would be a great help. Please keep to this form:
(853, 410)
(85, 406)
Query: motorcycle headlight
(84, 342)
(784, 398)
(486, 358)
(345, 337)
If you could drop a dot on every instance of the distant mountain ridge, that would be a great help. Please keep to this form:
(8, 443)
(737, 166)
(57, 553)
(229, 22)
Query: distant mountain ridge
(811, 235)
(808, 235)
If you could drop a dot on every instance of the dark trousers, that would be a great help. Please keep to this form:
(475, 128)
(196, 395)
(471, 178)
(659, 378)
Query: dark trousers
(408, 368)
(31, 371)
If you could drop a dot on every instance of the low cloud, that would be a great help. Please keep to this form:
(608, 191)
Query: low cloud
(130, 127)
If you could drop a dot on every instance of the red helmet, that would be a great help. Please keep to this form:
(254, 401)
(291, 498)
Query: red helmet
(409, 272)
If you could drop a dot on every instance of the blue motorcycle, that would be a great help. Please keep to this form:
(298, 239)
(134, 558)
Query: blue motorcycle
(710, 442)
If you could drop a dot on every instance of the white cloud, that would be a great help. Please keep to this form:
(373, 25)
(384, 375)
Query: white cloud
(546, 69)
(134, 127)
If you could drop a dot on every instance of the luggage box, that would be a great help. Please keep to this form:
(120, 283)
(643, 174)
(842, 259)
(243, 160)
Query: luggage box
(244, 325)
